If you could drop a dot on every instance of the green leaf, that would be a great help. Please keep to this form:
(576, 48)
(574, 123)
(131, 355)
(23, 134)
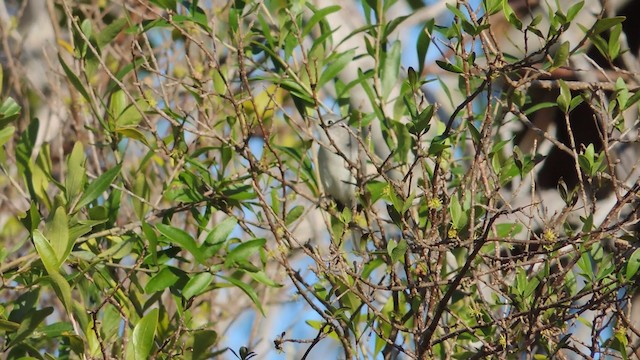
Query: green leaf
(97, 187)
(605, 24)
(117, 103)
(217, 237)
(507, 230)
(132, 132)
(363, 80)
(141, 339)
(585, 265)
(614, 42)
(29, 324)
(510, 15)
(197, 285)
(46, 252)
(318, 15)
(9, 111)
(335, 65)
(458, 217)
(57, 232)
(263, 278)
(76, 176)
(294, 214)
(202, 341)
(242, 252)
(182, 239)
(132, 115)
(561, 56)
(475, 134)
(575, 102)
(74, 79)
(165, 278)
(6, 134)
(449, 67)
(574, 10)
(633, 264)
(632, 100)
(8, 326)
(221, 232)
(564, 99)
(397, 250)
(62, 290)
(391, 69)
(438, 145)
(106, 35)
(422, 123)
(492, 6)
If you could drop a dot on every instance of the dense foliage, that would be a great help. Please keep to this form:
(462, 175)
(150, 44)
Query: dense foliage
(180, 192)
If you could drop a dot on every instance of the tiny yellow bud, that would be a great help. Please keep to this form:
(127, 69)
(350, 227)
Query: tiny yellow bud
(434, 204)
(549, 235)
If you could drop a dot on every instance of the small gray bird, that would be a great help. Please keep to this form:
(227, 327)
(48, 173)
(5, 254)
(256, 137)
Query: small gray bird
(337, 142)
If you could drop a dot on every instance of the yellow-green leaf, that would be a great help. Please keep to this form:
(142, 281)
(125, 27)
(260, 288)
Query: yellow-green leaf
(57, 232)
(141, 339)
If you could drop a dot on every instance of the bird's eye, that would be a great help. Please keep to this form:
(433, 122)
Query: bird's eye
(330, 122)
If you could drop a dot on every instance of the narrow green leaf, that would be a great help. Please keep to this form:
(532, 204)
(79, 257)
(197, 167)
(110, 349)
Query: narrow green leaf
(165, 278)
(539, 106)
(117, 103)
(197, 285)
(561, 56)
(458, 217)
(98, 186)
(8, 326)
(141, 340)
(507, 230)
(318, 15)
(263, 278)
(585, 265)
(6, 134)
(243, 251)
(132, 133)
(106, 35)
(74, 79)
(510, 15)
(574, 10)
(132, 114)
(391, 69)
(202, 341)
(294, 214)
(334, 66)
(449, 67)
(9, 111)
(398, 252)
(613, 45)
(63, 290)
(564, 99)
(475, 134)
(57, 232)
(76, 176)
(46, 252)
(221, 232)
(182, 239)
(605, 24)
(632, 100)
(633, 264)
